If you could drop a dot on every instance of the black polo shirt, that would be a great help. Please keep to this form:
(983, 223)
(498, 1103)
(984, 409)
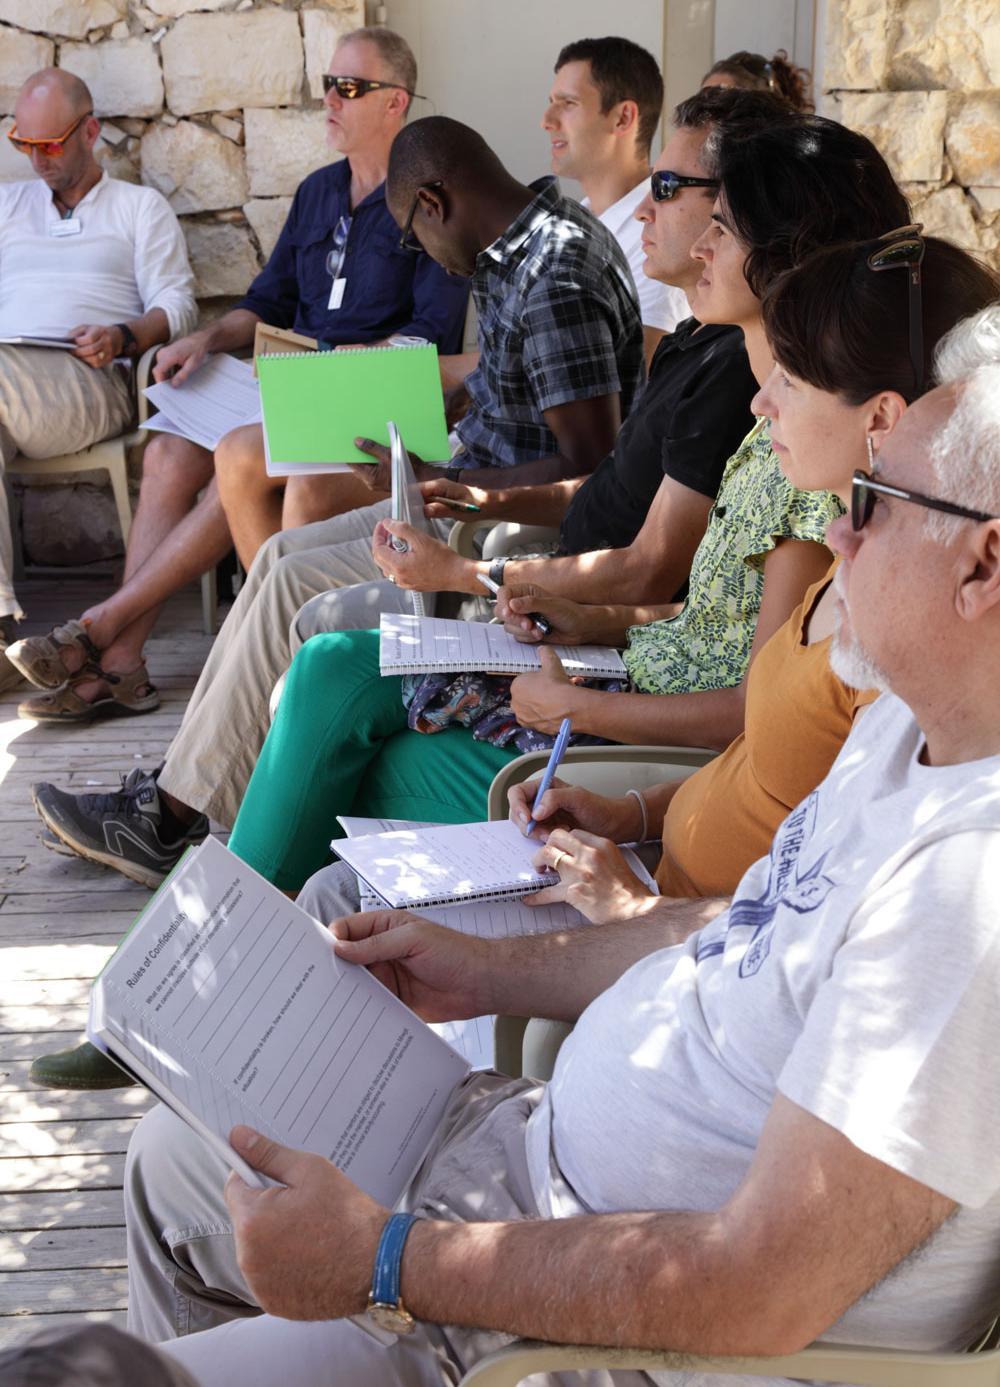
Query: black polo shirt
(686, 424)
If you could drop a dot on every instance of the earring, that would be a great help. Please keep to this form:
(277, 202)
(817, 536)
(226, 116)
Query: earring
(871, 452)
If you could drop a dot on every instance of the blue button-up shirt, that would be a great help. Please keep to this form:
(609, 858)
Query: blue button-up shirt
(387, 289)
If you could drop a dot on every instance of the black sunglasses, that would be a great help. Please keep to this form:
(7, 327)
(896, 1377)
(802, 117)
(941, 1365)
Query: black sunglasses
(350, 88)
(664, 185)
(905, 247)
(408, 240)
(864, 489)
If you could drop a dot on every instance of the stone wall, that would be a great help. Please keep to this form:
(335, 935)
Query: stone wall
(214, 102)
(922, 79)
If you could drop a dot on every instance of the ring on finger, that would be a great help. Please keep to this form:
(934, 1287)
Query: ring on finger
(560, 854)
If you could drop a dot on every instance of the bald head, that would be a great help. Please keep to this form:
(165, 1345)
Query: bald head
(53, 91)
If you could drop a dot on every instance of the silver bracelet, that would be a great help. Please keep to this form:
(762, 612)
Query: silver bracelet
(638, 795)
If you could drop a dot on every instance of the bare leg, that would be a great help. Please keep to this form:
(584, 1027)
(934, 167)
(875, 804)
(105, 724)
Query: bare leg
(320, 498)
(251, 499)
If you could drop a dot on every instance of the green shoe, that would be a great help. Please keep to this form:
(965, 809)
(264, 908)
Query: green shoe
(83, 1068)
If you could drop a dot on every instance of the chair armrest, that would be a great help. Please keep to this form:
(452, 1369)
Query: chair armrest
(463, 533)
(143, 372)
(863, 1367)
(608, 770)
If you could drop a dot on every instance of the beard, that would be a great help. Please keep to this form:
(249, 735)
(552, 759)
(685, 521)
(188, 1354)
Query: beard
(849, 660)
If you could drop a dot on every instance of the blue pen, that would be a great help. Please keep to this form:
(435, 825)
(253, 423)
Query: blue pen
(558, 752)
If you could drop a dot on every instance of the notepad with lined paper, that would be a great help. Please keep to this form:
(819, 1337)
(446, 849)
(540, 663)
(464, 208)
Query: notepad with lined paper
(434, 644)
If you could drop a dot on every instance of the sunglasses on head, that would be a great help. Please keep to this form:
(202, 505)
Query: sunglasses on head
(864, 489)
(350, 88)
(905, 247)
(52, 148)
(663, 185)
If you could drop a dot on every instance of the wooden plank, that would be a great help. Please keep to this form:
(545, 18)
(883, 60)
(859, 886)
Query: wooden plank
(98, 1171)
(16, 1329)
(75, 902)
(62, 1209)
(33, 1292)
(75, 955)
(51, 871)
(54, 1249)
(46, 991)
(49, 1105)
(28, 1044)
(86, 1136)
(44, 1017)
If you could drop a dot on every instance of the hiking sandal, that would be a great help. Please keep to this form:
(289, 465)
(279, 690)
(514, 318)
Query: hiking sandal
(131, 694)
(38, 659)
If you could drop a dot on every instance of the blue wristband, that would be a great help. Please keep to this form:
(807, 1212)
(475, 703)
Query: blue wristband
(389, 1259)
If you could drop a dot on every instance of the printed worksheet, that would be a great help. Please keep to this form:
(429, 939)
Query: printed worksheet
(229, 1002)
(220, 396)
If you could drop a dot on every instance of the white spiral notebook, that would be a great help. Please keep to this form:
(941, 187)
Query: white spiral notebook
(433, 644)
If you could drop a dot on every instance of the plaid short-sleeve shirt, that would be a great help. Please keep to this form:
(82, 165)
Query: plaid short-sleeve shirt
(558, 321)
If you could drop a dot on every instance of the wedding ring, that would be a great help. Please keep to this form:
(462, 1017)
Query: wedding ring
(560, 854)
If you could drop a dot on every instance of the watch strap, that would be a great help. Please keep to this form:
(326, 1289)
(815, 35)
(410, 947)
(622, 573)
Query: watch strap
(454, 474)
(497, 567)
(386, 1274)
(130, 347)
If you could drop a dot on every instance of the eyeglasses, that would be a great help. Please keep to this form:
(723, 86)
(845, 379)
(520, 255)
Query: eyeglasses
(51, 148)
(864, 489)
(905, 247)
(408, 240)
(664, 185)
(335, 260)
(350, 88)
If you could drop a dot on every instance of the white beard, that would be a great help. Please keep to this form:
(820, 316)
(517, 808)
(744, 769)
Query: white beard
(854, 666)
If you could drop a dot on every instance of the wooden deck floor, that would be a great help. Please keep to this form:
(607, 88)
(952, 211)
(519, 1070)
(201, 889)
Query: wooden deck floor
(62, 1240)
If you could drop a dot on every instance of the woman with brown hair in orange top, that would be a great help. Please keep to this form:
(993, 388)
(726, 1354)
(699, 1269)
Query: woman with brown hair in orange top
(853, 331)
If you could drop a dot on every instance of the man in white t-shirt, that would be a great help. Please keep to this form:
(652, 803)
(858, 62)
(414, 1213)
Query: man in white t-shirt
(773, 1121)
(601, 117)
(85, 258)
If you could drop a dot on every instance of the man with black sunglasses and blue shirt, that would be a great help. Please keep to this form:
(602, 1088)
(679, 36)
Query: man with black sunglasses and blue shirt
(338, 274)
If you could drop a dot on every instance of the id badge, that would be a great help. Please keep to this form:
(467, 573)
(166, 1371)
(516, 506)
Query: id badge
(70, 226)
(337, 293)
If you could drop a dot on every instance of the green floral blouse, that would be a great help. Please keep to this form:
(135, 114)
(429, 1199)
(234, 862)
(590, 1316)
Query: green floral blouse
(707, 645)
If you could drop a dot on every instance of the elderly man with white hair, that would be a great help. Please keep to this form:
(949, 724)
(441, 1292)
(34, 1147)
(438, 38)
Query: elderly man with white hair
(769, 1125)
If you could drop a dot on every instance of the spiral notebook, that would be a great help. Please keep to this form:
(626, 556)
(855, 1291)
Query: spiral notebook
(431, 644)
(316, 403)
(446, 865)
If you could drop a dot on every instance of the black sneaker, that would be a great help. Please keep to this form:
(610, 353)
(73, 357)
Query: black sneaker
(121, 829)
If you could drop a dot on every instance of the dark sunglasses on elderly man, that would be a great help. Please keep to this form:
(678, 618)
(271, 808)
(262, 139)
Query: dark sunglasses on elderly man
(664, 185)
(350, 88)
(904, 248)
(864, 489)
(53, 148)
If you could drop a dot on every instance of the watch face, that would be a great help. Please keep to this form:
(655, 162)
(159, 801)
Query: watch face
(392, 1318)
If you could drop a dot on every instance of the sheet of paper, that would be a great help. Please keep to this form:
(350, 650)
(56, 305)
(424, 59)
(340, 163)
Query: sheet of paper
(63, 344)
(233, 999)
(221, 396)
(356, 827)
(411, 644)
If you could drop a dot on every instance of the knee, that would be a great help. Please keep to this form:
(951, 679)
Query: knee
(172, 1177)
(238, 457)
(176, 464)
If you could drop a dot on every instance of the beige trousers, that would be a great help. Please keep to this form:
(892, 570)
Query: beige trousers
(51, 403)
(211, 759)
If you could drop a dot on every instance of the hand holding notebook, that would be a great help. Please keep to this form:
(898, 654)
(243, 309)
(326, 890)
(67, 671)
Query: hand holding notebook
(426, 645)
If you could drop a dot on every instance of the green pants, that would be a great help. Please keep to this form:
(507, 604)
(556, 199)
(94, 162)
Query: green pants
(340, 745)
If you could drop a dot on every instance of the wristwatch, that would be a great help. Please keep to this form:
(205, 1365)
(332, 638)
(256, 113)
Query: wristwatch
(497, 567)
(385, 1307)
(130, 347)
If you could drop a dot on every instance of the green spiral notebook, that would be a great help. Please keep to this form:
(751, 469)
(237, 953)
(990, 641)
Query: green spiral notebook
(315, 404)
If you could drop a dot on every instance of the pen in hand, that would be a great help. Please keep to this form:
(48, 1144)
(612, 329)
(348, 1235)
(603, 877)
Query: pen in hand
(558, 752)
(542, 623)
(456, 505)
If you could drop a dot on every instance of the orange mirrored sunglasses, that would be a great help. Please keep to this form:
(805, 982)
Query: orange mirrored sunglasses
(52, 148)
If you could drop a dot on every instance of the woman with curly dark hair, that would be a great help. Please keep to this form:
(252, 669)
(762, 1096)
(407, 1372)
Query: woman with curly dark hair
(754, 72)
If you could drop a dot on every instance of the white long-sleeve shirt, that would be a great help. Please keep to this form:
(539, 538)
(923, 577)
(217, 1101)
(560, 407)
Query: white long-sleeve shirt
(127, 257)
